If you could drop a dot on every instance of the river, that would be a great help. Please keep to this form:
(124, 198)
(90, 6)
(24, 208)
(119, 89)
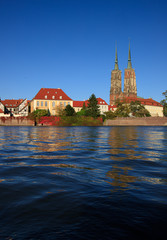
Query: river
(83, 183)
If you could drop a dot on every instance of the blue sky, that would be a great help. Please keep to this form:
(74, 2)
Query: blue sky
(70, 44)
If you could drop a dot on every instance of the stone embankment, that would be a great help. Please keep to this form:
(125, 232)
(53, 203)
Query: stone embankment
(19, 121)
(145, 121)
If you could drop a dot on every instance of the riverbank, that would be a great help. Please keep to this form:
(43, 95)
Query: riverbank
(145, 121)
(55, 121)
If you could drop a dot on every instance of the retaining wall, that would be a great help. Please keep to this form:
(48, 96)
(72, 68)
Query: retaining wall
(146, 121)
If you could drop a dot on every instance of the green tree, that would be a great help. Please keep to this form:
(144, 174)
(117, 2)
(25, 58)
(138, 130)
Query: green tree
(122, 110)
(84, 106)
(138, 110)
(164, 103)
(37, 114)
(93, 108)
(69, 111)
(110, 115)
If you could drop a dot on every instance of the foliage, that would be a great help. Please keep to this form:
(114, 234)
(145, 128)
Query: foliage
(69, 111)
(93, 108)
(79, 121)
(110, 115)
(122, 110)
(164, 103)
(84, 106)
(38, 113)
(138, 110)
(82, 112)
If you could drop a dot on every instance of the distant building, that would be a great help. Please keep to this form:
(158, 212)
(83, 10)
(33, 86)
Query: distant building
(14, 107)
(52, 99)
(103, 106)
(130, 89)
(154, 107)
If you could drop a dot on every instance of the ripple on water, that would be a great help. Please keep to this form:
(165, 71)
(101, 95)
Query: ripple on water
(83, 182)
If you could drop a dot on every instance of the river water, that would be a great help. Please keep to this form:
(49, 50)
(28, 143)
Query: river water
(83, 183)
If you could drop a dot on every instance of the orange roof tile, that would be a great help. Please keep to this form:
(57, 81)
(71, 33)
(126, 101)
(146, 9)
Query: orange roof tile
(11, 103)
(1, 111)
(101, 101)
(143, 101)
(78, 103)
(51, 94)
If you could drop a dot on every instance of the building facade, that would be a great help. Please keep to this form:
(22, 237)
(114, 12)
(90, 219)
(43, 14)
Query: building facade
(103, 106)
(52, 99)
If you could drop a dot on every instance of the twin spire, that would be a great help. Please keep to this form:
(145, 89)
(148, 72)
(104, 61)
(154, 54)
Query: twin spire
(116, 59)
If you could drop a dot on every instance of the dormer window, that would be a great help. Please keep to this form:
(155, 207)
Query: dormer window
(56, 92)
(100, 102)
(53, 97)
(60, 97)
(48, 92)
(45, 96)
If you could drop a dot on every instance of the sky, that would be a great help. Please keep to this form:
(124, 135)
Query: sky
(70, 44)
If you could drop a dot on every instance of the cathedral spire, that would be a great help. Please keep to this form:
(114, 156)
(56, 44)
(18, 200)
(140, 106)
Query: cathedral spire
(129, 59)
(116, 60)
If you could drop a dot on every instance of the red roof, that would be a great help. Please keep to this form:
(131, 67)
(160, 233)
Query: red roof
(78, 103)
(1, 111)
(11, 103)
(101, 101)
(112, 108)
(51, 94)
(143, 101)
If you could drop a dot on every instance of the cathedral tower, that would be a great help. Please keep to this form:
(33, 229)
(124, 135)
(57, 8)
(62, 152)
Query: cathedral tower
(116, 82)
(130, 89)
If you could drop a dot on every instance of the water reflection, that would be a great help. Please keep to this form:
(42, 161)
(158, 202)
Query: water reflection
(123, 142)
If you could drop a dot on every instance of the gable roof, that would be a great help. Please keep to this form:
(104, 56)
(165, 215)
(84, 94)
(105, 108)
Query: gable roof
(12, 103)
(101, 101)
(51, 94)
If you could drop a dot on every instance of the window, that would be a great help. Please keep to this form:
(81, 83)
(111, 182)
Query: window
(56, 92)
(64, 104)
(68, 103)
(60, 103)
(45, 104)
(37, 103)
(53, 104)
(45, 96)
(41, 103)
(53, 97)
(60, 97)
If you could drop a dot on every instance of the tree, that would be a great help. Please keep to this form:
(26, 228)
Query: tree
(93, 108)
(138, 110)
(122, 110)
(110, 115)
(164, 103)
(37, 114)
(84, 106)
(69, 111)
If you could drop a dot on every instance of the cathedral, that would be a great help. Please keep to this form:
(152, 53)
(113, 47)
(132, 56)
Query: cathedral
(130, 89)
